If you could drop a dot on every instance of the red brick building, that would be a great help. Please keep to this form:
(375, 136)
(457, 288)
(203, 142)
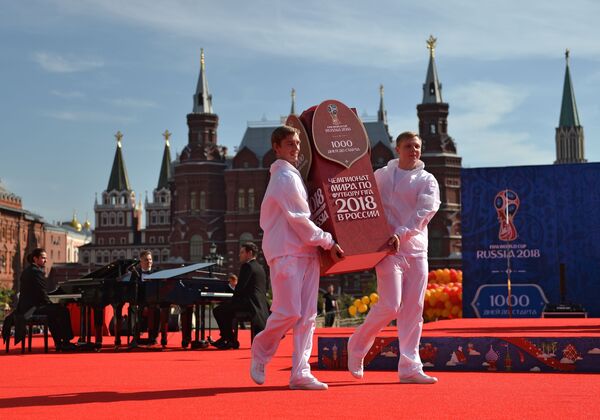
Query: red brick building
(441, 160)
(20, 232)
(118, 232)
(198, 197)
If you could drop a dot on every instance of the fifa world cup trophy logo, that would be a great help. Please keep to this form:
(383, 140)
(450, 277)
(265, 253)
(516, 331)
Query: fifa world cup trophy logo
(507, 203)
(333, 112)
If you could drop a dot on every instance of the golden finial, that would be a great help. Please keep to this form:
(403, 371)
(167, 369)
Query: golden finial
(75, 223)
(431, 45)
(567, 52)
(202, 58)
(87, 224)
(119, 136)
(167, 135)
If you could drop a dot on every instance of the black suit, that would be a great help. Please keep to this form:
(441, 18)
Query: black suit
(249, 296)
(33, 295)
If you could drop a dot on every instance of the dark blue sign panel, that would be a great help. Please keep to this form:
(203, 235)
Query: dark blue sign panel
(525, 221)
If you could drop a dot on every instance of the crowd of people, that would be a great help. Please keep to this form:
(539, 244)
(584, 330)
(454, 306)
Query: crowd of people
(291, 242)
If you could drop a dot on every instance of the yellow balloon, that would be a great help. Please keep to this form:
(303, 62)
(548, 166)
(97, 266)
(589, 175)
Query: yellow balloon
(352, 310)
(365, 300)
(363, 308)
(374, 297)
(357, 302)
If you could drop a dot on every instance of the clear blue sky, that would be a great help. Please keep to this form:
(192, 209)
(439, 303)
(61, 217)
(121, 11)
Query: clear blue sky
(76, 71)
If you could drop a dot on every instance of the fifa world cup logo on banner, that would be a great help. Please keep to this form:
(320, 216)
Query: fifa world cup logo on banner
(507, 203)
(333, 112)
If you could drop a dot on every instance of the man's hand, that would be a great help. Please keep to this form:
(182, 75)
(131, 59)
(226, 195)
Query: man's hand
(394, 244)
(336, 252)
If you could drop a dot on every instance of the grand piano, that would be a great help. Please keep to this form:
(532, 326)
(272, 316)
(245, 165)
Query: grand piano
(113, 285)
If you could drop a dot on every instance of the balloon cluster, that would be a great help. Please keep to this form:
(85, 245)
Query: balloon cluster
(443, 297)
(362, 305)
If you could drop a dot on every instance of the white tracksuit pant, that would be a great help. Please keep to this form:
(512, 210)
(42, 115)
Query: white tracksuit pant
(295, 284)
(401, 285)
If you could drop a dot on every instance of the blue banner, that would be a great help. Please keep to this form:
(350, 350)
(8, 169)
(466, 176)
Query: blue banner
(523, 222)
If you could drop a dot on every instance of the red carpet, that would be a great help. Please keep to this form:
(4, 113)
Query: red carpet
(216, 384)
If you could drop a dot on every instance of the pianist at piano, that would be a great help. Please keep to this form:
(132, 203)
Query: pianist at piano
(249, 296)
(33, 299)
(157, 314)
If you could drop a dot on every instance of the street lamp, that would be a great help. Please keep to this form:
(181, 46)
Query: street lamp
(213, 257)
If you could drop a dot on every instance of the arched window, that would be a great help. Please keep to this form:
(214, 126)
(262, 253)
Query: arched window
(193, 201)
(112, 218)
(251, 199)
(202, 200)
(104, 219)
(196, 248)
(120, 218)
(153, 217)
(241, 200)
(123, 199)
(161, 217)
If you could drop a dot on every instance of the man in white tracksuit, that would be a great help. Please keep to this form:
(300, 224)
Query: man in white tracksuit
(410, 198)
(290, 245)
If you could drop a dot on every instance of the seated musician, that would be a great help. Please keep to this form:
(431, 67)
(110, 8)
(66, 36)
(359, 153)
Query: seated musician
(249, 296)
(33, 300)
(144, 289)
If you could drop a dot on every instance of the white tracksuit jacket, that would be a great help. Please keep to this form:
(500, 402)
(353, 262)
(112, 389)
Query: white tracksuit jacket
(285, 216)
(410, 200)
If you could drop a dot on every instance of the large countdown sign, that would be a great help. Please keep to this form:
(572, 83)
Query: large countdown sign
(343, 196)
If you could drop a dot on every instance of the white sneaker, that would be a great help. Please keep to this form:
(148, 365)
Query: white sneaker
(355, 364)
(312, 384)
(419, 378)
(257, 372)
